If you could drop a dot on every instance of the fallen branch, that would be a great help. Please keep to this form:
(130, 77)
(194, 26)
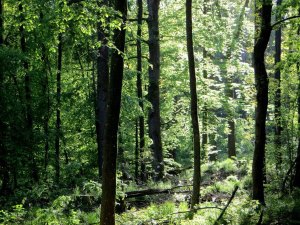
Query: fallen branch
(228, 203)
(141, 193)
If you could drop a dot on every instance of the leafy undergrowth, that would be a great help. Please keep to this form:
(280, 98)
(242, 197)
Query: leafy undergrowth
(81, 206)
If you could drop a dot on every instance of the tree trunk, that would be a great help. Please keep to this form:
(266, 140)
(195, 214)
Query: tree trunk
(261, 81)
(4, 170)
(153, 90)
(297, 174)
(102, 90)
(229, 89)
(277, 104)
(107, 216)
(231, 139)
(28, 102)
(205, 109)
(194, 105)
(140, 88)
(136, 152)
(58, 119)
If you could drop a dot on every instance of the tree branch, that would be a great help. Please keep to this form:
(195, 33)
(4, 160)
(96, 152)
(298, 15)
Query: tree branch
(283, 20)
(228, 203)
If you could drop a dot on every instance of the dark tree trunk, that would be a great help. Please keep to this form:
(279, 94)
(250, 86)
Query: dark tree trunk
(107, 216)
(261, 81)
(28, 102)
(140, 88)
(47, 103)
(136, 152)
(297, 172)
(102, 90)
(194, 105)
(153, 91)
(231, 139)
(58, 102)
(4, 171)
(46, 96)
(278, 126)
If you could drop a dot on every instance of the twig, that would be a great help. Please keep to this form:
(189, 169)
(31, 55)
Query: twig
(228, 203)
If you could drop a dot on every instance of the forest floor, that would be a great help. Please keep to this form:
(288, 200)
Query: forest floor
(225, 189)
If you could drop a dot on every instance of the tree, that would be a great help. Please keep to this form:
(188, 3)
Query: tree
(194, 105)
(263, 10)
(102, 86)
(296, 182)
(28, 99)
(229, 90)
(4, 172)
(277, 104)
(112, 122)
(141, 121)
(58, 107)
(153, 90)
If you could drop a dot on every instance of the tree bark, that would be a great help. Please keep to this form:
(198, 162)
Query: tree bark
(277, 104)
(58, 102)
(296, 182)
(102, 90)
(136, 152)
(261, 81)
(4, 170)
(28, 101)
(107, 216)
(194, 105)
(140, 89)
(153, 90)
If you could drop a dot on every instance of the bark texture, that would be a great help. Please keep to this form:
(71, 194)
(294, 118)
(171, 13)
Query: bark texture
(263, 31)
(102, 90)
(194, 105)
(139, 83)
(153, 90)
(107, 215)
(278, 125)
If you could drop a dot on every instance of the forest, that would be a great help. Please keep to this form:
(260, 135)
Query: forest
(149, 112)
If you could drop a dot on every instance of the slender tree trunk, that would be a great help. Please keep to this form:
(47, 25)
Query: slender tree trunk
(230, 119)
(297, 174)
(140, 89)
(229, 89)
(205, 109)
(4, 170)
(58, 106)
(194, 105)
(231, 139)
(107, 216)
(278, 126)
(153, 91)
(136, 152)
(47, 113)
(261, 81)
(28, 99)
(102, 90)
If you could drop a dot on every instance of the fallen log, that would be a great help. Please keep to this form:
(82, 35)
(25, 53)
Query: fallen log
(146, 192)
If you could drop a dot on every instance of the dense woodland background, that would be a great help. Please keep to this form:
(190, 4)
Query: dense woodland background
(149, 112)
